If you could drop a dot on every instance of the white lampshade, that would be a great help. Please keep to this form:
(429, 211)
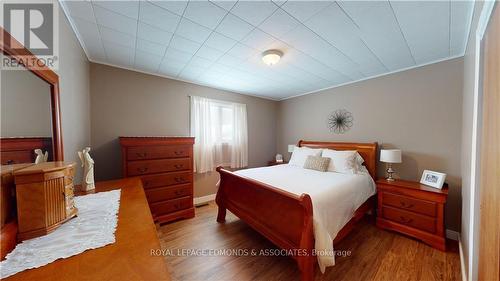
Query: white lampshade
(390, 155)
(291, 147)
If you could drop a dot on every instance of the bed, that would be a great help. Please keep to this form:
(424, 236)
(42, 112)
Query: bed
(282, 211)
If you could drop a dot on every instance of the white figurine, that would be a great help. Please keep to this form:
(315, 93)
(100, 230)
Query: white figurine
(88, 169)
(40, 156)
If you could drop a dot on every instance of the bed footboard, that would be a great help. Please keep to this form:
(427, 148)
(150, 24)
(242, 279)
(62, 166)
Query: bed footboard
(282, 217)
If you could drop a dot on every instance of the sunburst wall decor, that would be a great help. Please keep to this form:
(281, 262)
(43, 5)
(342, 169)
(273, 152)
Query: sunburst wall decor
(340, 121)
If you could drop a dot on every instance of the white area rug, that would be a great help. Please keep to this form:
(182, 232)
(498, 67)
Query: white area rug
(94, 227)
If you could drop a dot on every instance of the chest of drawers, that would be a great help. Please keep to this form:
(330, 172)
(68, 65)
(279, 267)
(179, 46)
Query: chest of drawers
(165, 167)
(413, 209)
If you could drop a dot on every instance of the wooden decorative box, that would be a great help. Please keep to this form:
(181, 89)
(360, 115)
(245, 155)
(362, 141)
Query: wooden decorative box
(44, 195)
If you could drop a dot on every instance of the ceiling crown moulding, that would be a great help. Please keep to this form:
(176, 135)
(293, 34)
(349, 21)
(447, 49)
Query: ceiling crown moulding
(311, 65)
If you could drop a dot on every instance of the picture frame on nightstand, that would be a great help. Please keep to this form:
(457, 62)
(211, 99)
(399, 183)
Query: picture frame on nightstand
(433, 179)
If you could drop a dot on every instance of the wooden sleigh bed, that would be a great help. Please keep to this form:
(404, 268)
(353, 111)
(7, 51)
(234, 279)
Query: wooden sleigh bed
(283, 217)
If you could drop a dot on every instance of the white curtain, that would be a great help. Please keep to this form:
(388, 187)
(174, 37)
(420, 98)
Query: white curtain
(220, 131)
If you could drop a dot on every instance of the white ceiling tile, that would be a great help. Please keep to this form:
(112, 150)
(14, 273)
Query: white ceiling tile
(158, 17)
(424, 22)
(118, 54)
(303, 39)
(185, 45)
(117, 37)
(128, 8)
(280, 2)
(147, 62)
(192, 31)
(225, 4)
(80, 9)
(204, 13)
(234, 27)
(241, 51)
(209, 53)
(151, 47)
(279, 24)
(380, 30)
(461, 15)
(333, 25)
(304, 10)
(254, 12)
(115, 21)
(153, 34)
(324, 43)
(173, 54)
(200, 62)
(258, 40)
(87, 30)
(220, 42)
(191, 73)
(229, 60)
(176, 7)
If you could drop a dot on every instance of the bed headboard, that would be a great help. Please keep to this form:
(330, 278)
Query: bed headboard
(367, 150)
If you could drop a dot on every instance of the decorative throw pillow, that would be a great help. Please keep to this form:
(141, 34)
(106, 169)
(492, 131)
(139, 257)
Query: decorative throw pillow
(299, 155)
(317, 163)
(343, 161)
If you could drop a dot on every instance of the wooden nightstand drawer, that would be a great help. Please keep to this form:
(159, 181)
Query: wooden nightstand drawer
(412, 209)
(410, 204)
(408, 218)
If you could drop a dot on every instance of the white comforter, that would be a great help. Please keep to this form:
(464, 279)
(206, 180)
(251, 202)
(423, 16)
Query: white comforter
(334, 196)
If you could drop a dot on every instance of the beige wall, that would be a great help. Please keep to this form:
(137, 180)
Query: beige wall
(25, 105)
(418, 111)
(75, 97)
(470, 254)
(128, 103)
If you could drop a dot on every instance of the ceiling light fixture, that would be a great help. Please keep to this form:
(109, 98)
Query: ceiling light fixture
(271, 57)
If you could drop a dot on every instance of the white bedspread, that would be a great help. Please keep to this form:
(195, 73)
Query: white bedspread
(335, 198)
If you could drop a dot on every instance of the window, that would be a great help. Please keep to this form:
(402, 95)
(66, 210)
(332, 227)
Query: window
(220, 131)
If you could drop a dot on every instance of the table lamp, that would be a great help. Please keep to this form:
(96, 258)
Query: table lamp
(390, 156)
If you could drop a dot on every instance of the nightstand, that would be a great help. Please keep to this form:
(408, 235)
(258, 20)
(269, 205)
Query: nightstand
(274, 163)
(413, 209)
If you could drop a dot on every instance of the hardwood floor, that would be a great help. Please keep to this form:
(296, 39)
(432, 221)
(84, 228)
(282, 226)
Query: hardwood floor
(374, 254)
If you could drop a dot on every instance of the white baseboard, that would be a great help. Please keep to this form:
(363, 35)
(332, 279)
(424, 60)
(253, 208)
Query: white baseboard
(203, 199)
(452, 234)
(462, 259)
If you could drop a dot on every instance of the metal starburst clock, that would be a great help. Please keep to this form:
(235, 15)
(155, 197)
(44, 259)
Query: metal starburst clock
(340, 121)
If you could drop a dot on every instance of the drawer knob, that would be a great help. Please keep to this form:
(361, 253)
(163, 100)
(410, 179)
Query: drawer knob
(178, 192)
(142, 170)
(405, 205)
(147, 183)
(178, 166)
(176, 206)
(179, 179)
(405, 220)
(9, 162)
(178, 152)
(141, 154)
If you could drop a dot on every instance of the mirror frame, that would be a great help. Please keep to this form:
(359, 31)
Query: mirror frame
(15, 50)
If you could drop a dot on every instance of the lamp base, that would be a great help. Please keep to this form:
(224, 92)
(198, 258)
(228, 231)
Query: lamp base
(390, 171)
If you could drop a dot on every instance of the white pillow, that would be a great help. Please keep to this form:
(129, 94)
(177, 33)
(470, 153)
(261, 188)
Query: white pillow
(299, 155)
(343, 161)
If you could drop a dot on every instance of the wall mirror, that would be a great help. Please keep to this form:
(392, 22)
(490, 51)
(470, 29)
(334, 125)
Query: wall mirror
(30, 109)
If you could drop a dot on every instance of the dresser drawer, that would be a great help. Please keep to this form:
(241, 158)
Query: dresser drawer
(158, 152)
(168, 192)
(410, 219)
(166, 179)
(136, 168)
(170, 206)
(410, 204)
